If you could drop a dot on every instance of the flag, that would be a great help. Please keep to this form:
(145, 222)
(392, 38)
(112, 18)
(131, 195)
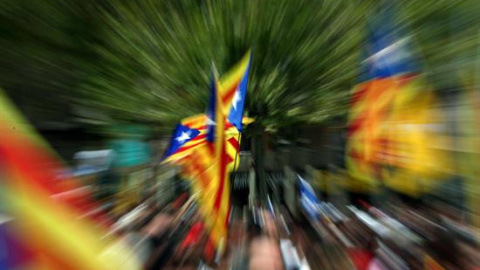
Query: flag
(208, 166)
(193, 236)
(175, 153)
(217, 195)
(411, 161)
(308, 199)
(179, 142)
(47, 221)
(391, 118)
(208, 157)
(388, 62)
(270, 208)
(234, 90)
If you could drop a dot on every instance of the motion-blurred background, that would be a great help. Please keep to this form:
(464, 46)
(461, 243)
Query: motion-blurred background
(362, 154)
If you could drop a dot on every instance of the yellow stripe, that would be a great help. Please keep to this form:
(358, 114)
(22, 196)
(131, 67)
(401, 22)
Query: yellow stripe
(51, 225)
(232, 77)
(215, 222)
(194, 120)
(61, 233)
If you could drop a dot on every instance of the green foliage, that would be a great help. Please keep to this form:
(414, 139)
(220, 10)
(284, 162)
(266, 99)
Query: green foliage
(150, 60)
(158, 57)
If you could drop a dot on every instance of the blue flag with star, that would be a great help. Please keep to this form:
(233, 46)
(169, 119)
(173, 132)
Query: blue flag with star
(181, 135)
(238, 101)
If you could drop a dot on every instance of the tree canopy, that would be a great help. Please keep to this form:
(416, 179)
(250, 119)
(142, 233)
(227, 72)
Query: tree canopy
(150, 60)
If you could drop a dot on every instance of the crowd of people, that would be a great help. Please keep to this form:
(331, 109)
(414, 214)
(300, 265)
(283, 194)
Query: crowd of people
(357, 234)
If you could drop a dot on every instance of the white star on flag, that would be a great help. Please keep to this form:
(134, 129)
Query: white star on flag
(236, 98)
(182, 138)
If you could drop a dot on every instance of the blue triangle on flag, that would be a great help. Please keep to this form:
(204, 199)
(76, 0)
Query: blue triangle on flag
(181, 135)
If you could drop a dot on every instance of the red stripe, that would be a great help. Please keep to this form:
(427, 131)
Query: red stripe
(406, 78)
(355, 155)
(37, 168)
(356, 125)
(185, 148)
(233, 141)
(229, 159)
(358, 95)
(199, 137)
(229, 95)
(209, 252)
(228, 213)
(223, 166)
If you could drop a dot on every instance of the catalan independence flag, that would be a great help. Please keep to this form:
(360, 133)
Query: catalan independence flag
(210, 166)
(49, 228)
(390, 136)
(206, 147)
(190, 133)
(387, 63)
(232, 91)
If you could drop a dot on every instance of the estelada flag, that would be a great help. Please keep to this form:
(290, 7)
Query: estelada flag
(388, 60)
(190, 133)
(209, 163)
(48, 222)
(232, 91)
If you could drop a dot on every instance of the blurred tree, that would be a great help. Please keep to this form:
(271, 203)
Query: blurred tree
(149, 61)
(157, 60)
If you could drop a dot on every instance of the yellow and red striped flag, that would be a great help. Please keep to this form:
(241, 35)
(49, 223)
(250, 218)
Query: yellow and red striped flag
(388, 62)
(391, 121)
(46, 220)
(197, 125)
(207, 166)
(232, 91)
(233, 88)
(206, 147)
(216, 197)
(369, 109)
